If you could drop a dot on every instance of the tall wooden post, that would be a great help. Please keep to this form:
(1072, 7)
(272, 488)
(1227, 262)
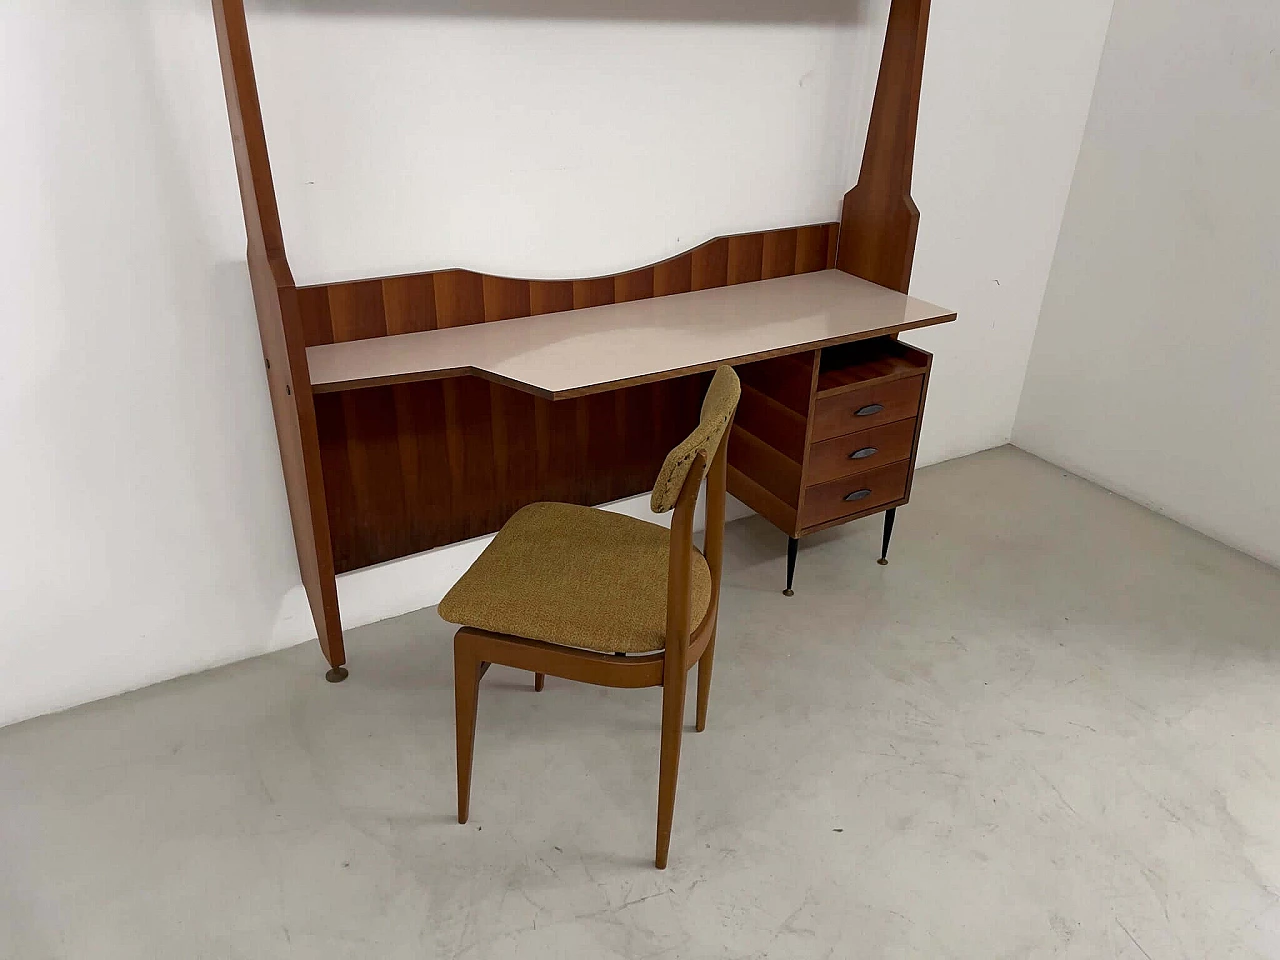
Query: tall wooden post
(280, 326)
(879, 220)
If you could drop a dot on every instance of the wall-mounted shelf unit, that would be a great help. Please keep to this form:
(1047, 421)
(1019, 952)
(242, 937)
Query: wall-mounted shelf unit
(414, 411)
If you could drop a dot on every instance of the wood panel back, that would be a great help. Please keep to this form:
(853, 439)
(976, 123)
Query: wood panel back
(359, 309)
(788, 380)
(864, 363)
(417, 465)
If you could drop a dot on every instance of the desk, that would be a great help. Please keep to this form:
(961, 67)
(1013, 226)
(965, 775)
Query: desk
(576, 353)
(420, 410)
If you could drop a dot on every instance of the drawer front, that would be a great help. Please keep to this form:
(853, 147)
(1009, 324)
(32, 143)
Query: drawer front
(862, 409)
(843, 498)
(860, 452)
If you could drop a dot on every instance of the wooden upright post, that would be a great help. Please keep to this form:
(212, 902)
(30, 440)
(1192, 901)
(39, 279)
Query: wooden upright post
(283, 346)
(879, 220)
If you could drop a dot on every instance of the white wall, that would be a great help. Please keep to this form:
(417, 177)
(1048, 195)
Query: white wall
(141, 507)
(1006, 94)
(143, 531)
(1155, 365)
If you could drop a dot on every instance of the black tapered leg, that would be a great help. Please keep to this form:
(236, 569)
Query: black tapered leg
(888, 535)
(792, 546)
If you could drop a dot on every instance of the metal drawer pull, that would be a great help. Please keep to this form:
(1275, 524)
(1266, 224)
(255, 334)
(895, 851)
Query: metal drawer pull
(857, 495)
(870, 410)
(863, 453)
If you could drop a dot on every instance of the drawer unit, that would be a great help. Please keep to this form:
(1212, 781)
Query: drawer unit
(869, 407)
(859, 494)
(860, 452)
(829, 436)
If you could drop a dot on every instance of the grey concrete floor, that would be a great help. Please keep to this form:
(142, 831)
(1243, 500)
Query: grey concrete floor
(1047, 729)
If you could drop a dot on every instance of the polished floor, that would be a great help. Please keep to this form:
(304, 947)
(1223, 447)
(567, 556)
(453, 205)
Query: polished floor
(1047, 729)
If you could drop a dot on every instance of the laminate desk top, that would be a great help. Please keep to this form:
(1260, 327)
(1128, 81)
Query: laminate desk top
(591, 350)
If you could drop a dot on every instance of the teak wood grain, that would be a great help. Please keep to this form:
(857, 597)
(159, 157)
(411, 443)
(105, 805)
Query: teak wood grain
(791, 438)
(361, 309)
(829, 501)
(415, 466)
(859, 452)
(766, 465)
(879, 221)
(863, 409)
(280, 327)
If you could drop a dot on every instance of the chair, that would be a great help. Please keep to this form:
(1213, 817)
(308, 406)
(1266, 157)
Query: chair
(602, 598)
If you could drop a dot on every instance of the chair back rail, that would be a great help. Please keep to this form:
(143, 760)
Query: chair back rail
(718, 411)
(680, 566)
(713, 535)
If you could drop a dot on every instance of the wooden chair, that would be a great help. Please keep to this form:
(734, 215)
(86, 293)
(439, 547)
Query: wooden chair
(602, 598)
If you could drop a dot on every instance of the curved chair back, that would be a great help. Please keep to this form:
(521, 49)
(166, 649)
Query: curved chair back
(677, 488)
(717, 413)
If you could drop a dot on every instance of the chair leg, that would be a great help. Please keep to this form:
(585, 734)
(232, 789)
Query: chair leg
(673, 692)
(539, 681)
(466, 697)
(704, 682)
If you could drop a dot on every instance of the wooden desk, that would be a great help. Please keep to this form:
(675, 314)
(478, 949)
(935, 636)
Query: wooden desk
(575, 353)
(420, 410)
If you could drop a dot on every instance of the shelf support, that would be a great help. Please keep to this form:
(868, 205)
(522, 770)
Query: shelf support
(275, 300)
(879, 220)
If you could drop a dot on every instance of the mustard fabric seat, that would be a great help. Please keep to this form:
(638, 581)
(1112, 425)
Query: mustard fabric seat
(577, 577)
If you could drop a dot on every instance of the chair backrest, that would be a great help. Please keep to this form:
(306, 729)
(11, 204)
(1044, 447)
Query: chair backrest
(677, 488)
(717, 412)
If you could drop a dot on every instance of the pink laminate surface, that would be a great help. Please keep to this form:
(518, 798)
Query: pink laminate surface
(577, 352)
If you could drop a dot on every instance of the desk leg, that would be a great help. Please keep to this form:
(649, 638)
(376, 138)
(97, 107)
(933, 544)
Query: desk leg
(793, 544)
(888, 535)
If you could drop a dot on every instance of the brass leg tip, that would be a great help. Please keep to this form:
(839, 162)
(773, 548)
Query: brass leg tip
(337, 675)
(788, 592)
(883, 562)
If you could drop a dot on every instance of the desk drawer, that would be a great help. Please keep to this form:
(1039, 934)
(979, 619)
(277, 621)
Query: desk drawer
(829, 501)
(859, 452)
(862, 409)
